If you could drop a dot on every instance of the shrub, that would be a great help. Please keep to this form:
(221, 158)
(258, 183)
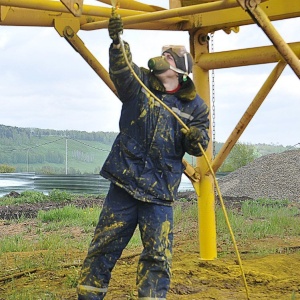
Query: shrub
(7, 169)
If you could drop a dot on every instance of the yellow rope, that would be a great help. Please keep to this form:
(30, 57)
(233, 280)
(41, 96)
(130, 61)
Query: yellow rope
(206, 159)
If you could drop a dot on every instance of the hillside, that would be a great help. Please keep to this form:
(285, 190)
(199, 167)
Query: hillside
(51, 151)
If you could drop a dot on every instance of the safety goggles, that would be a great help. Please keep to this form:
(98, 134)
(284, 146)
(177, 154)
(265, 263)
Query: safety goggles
(178, 49)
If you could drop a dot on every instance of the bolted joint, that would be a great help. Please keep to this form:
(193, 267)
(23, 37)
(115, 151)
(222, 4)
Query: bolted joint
(74, 6)
(203, 39)
(249, 4)
(252, 3)
(68, 32)
(192, 173)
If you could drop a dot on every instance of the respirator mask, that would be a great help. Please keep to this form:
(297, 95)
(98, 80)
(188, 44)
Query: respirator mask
(182, 58)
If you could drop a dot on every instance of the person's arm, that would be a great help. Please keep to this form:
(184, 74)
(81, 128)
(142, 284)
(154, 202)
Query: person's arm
(119, 71)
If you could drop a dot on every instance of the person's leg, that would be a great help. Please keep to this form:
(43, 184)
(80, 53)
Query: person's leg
(117, 223)
(154, 269)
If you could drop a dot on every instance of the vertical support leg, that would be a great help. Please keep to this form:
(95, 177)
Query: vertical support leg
(206, 217)
(205, 187)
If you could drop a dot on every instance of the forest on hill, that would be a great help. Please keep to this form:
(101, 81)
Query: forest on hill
(48, 151)
(18, 136)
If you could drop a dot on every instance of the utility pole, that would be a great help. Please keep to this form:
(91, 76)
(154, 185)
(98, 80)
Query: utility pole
(66, 156)
(27, 160)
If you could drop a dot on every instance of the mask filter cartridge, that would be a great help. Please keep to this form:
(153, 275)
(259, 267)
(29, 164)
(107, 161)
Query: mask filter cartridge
(158, 64)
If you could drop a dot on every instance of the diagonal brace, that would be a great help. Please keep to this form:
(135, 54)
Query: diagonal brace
(248, 115)
(263, 21)
(68, 30)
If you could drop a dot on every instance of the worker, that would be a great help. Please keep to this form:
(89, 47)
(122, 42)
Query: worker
(144, 167)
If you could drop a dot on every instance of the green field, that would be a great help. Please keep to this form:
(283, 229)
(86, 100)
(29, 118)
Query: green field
(47, 151)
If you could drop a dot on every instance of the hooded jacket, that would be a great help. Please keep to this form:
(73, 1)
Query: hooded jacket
(146, 157)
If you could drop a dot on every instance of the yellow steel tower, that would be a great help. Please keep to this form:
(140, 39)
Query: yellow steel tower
(198, 19)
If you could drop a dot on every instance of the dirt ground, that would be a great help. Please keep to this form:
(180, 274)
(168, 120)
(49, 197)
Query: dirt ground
(275, 276)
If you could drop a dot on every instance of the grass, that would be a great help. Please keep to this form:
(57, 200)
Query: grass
(55, 233)
(255, 220)
(262, 218)
(70, 216)
(27, 295)
(55, 195)
(37, 197)
(15, 243)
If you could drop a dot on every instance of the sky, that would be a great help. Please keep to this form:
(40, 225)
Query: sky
(45, 84)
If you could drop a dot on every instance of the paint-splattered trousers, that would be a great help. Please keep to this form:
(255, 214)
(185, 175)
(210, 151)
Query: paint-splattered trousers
(118, 220)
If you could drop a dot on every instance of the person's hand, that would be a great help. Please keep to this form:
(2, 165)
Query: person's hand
(193, 136)
(115, 27)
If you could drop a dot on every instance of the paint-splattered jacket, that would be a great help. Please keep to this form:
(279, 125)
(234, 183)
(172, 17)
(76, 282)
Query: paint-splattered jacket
(146, 157)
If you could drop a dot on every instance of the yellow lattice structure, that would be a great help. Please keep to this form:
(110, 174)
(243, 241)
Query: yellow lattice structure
(198, 19)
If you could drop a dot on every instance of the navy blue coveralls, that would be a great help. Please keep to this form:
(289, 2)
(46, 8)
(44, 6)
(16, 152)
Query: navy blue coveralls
(145, 169)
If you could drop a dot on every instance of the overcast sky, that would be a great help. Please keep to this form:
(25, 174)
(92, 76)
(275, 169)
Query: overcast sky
(44, 83)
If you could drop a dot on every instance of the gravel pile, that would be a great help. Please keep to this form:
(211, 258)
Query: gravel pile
(273, 176)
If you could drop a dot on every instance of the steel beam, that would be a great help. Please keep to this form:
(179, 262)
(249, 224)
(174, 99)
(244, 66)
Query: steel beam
(209, 21)
(234, 17)
(3, 12)
(42, 13)
(255, 11)
(135, 5)
(70, 34)
(242, 57)
(57, 6)
(166, 14)
(248, 115)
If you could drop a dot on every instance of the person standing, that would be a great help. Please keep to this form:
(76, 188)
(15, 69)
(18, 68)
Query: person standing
(145, 167)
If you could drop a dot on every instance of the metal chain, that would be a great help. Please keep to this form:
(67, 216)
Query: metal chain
(213, 99)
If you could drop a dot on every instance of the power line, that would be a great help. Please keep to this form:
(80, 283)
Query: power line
(51, 142)
(89, 145)
(32, 147)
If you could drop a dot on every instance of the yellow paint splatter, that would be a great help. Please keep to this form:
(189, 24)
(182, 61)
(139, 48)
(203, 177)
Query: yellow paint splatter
(151, 102)
(143, 114)
(154, 184)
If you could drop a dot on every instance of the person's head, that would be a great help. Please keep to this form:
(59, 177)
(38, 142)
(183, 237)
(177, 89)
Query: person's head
(183, 59)
(174, 57)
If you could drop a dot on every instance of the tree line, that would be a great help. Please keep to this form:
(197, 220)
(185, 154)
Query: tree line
(44, 151)
(19, 136)
(45, 148)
